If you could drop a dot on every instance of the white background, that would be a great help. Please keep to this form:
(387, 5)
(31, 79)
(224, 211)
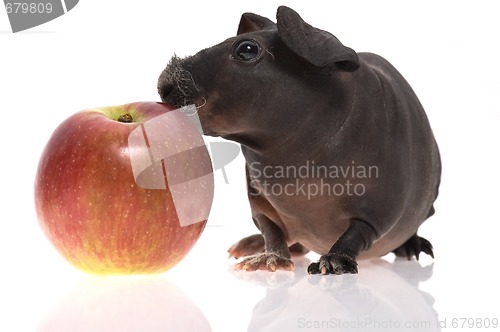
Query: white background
(111, 52)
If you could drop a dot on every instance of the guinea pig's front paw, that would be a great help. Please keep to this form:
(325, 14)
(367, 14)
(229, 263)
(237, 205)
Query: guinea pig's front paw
(269, 261)
(333, 263)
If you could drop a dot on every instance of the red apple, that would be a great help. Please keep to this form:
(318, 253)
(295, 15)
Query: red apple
(124, 189)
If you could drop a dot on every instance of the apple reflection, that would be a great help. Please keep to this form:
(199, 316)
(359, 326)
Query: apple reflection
(132, 303)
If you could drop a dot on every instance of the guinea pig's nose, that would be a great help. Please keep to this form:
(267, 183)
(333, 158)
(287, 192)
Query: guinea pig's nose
(164, 90)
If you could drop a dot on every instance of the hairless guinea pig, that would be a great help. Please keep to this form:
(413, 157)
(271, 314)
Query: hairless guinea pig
(340, 156)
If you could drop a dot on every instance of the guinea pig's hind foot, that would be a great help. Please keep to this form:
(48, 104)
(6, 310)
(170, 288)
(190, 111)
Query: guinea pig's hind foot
(413, 247)
(247, 246)
(269, 261)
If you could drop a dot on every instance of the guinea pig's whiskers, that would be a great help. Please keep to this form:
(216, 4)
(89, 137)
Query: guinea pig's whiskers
(204, 103)
(270, 53)
(192, 79)
(192, 109)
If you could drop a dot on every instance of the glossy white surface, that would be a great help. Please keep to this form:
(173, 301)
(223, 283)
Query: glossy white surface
(109, 53)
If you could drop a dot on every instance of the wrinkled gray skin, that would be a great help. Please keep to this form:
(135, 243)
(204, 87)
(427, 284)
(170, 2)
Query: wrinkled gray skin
(294, 96)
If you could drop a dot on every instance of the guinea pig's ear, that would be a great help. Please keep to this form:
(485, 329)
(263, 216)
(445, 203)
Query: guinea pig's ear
(318, 47)
(252, 22)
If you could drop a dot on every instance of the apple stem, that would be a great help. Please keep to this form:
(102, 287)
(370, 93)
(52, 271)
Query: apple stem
(127, 118)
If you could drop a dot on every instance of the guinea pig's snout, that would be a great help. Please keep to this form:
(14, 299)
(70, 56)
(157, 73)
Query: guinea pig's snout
(164, 90)
(166, 85)
(176, 84)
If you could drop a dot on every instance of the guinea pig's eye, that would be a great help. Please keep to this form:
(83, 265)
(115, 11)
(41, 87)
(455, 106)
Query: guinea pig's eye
(246, 50)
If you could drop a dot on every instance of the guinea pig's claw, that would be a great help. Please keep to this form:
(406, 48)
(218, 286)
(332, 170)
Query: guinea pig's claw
(413, 247)
(334, 264)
